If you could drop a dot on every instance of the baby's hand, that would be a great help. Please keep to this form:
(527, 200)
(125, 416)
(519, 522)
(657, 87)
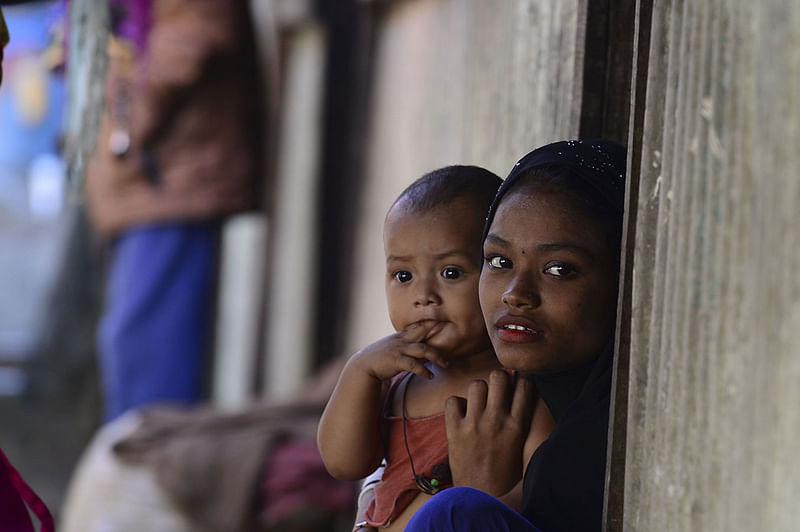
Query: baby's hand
(402, 351)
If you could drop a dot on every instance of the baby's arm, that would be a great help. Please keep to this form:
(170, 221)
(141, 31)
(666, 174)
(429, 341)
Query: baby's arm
(349, 436)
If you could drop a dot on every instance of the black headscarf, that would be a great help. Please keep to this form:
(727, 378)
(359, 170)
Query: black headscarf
(564, 481)
(600, 164)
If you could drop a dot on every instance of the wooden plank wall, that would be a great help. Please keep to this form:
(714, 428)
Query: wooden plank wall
(714, 401)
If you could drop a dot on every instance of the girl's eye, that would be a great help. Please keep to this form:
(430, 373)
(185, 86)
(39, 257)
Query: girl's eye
(560, 270)
(451, 273)
(499, 262)
(402, 276)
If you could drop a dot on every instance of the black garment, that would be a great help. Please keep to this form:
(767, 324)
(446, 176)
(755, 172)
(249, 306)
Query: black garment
(564, 481)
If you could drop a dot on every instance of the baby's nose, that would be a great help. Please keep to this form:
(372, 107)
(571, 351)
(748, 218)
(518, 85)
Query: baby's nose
(426, 295)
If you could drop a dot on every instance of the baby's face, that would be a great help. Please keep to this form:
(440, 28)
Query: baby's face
(548, 286)
(432, 271)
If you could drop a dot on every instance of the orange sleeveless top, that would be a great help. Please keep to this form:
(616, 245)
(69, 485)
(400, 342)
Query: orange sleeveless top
(427, 443)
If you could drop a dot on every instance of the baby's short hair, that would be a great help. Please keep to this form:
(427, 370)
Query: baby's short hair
(444, 185)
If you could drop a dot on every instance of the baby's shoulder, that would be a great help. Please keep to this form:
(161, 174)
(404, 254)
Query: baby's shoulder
(428, 396)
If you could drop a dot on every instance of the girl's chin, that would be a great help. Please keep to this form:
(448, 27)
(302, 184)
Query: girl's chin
(525, 365)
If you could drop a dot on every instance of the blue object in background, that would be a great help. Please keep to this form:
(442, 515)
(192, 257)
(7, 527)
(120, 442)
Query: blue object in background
(32, 217)
(32, 95)
(154, 337)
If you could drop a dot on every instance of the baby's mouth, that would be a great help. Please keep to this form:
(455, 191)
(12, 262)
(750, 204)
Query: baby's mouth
(436, 329)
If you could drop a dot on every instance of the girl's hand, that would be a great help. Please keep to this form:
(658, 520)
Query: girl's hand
(401, 351)
(486, 432)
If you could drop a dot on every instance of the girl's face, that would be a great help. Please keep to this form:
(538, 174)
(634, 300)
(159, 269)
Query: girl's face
(548, 284)
(432, 268)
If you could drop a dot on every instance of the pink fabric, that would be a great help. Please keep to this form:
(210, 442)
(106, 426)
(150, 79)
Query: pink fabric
(295, 479)
(14, 495)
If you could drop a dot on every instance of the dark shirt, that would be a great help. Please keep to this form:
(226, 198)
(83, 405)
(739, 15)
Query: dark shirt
(565, 479)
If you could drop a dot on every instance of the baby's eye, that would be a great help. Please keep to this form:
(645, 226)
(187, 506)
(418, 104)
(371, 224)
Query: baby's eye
(402, 276)
(499, 262)
(452, 273)
(560, 270)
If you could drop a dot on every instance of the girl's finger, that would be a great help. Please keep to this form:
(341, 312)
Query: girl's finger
(498, 399)
(476, 399)
(455, 408)
(523, 400)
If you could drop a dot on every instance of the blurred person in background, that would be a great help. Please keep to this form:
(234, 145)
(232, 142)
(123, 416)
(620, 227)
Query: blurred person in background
(178, 149)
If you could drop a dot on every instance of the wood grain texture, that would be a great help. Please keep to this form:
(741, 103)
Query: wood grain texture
(714, 409)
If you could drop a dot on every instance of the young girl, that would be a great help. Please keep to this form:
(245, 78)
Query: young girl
(548, 292)
(390, 396)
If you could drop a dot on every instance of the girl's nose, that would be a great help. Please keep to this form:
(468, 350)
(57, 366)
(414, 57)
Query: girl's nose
(521, 293)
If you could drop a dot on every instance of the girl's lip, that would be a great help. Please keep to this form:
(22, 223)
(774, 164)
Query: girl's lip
(516, 329)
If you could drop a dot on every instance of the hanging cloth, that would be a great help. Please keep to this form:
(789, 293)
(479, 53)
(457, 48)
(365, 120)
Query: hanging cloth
(15, 499)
